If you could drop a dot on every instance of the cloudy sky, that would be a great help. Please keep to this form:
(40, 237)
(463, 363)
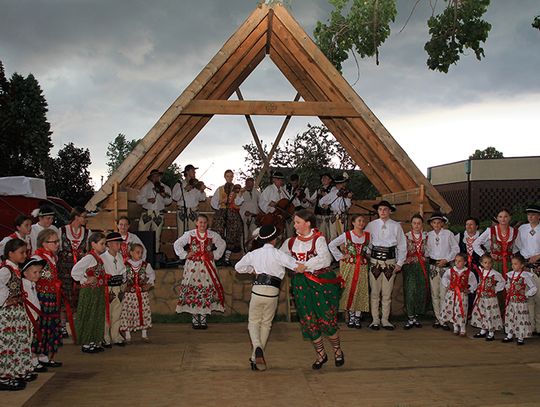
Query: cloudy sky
(114, 66)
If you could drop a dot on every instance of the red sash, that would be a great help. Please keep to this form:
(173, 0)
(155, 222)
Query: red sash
(358, 262)
(206, 257)
(512, 289)
(456, 287)
(29, 307)
(138, 290)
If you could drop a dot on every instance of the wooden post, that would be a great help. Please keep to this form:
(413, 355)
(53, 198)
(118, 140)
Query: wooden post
(253, 131)
(421, 198)
(115, 201)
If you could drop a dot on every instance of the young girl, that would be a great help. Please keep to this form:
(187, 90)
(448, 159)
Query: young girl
(415, 273)
(486, 314)
(15, 328)
(353, 267)
(459, 281)
(136, 314)
(49, 294)
(519, 286)
(201, 291)
(123, 225)
(23, 226)
(93, 302)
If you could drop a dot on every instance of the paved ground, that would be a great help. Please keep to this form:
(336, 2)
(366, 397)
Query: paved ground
(182, 367)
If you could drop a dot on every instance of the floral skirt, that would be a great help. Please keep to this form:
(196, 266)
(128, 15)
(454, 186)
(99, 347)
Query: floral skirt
(50, 326)
(451, 310)
(316, 305)
(228, 224)
(359, 298)
(516, 320)
(415, 290)
(90, 317)
(130, 319)
(200, 291)
(487, 315)
(15, 341)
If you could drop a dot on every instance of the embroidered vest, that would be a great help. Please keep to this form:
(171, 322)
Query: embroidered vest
(48, 281)
(500, 249)
(135, 277)
(14, 285)
(312, 252)
(486, 289)
(356, 249)
(516, 292)
(459, 281)
(200, 250)
(227, 200)
(412, 257)
(72, 251)
(97, 271)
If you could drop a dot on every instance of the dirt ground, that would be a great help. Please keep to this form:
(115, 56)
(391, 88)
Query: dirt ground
(183, 367)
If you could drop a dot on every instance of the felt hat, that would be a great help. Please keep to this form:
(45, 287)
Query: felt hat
(340, 179)
(384, 203)
(267, 233)
(32, 261)
(533, 209)
(278, 175)
(190, 167)
(43, 210)
(114, 237)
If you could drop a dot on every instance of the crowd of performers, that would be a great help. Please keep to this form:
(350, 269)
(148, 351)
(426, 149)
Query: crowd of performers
(98, 284)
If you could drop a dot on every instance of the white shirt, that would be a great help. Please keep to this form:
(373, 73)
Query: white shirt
(78, 272)
(5, 276)
(528, 240)
(271, 194)
(333, 246)
(266, 259)
(527, 277)
(30, 288)
(442, 245)
(485, 240)
(214, 202)
(8, 238)
(36, 228)
(133, 238)
(147, 192)
(186, 238)
(251, 203)
(500, 281)
(114, 265)
(321, 260)
(388, 234)
(465, 236)
(296, 202)
(150, 272)
(191, 197)
(337, 204)
(445, 281)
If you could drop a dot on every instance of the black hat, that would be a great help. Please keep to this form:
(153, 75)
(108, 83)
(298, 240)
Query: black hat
(267, 233)
(533, 209)
(153, 172)
(190, 167)
(32, 261)
(43, 210)
(437, 215)
(278, 175)
(340, 179)
(384, 203)
(326, 174)
(114, 237)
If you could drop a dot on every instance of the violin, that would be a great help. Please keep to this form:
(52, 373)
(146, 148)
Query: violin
(159, 188)
(344, 193)
(195, 183)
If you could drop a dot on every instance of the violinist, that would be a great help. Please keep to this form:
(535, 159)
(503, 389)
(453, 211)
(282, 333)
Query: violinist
(188, 193)
(249, 210)
(273, 193)
(227, 221)
(338, 200)
(298, 195)
(323, 215)
(153, 197)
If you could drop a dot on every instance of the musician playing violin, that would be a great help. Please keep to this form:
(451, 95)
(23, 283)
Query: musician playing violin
(323, 215)
(153, 197)
(298, 195)
(249, 210)
(188, 193)
(338, 200)
(273, 193)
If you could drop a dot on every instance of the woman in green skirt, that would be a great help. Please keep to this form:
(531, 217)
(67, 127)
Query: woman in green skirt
(92, 306)
(316, 290)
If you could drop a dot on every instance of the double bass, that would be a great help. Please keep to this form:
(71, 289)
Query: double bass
(284, 210)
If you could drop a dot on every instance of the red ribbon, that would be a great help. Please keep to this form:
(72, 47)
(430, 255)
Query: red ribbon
(29, 307)
(512, 289)
(480, 290)
(215, 279)
(338, 280)
(456, 287)
(139, 295)
(354, 282)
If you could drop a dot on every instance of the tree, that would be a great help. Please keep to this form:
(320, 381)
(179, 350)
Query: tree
(362, 26)
(68, 176)
(25, 136)
(118, 150)
(487, 154)
(536, 22)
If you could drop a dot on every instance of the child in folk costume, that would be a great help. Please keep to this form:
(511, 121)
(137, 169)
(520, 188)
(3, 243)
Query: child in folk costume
(459, 281)
(268, 264)
(486, 313)
(45, 215)
(441, 249)
(519, 287)
(353, 268)
(49, 291)
(123, 224)
(15, 328)
(136, 314)
(415, 273)
(92, 308)
(316, 290)
(23, 226)
(201, 291)
(73, 244)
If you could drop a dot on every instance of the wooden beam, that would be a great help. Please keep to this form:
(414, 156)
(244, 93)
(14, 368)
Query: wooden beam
(269, 32)
(251, 126)
(269, 108)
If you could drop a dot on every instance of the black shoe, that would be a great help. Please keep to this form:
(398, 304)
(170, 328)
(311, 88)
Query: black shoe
(357, 323)
(29, 377)
(350, 323)
(490, 338)
(51, 363)
(12, 384)
(374, 327)
(253, 365)
(436, 325)
(507, 340)
(340, 360)
(445, 327)
(319, 363)
(408, 325)
(40, 368)
(389, 327)
(121, 344)
(417, 324)
(259, 359)
(480, 335)
(106, 345)
(89, 349)
(65, 333)
(521, 342)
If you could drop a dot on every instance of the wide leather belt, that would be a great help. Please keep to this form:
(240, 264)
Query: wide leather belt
(383, 253)
(266, 279)
(116, 281)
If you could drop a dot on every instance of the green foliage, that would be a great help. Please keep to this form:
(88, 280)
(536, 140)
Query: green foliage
(458, 27)
(171, 175)
(25, 136)
(536, 22)
(68, 176)
(363, 29)
(487, 154)
(118, 150)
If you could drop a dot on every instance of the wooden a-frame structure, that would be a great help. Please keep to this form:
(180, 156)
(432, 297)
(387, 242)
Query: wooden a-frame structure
(271, 30)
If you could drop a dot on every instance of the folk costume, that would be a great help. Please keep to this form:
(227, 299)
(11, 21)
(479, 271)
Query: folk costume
(458, 283)
(415, 278)
(388, 248)
(93, 310)
(200, 291)
(519, 287)
(499, 245)
(268, 264)
(227, 221)
(440, 246)
(127, 240)
(323, 215)
(152, 215)
(15, 330)
(353, 268)
(16, 235)
(187, 198)
(248, 212)
(136, 314)
(486, 313)
(36, 228)
(338, 205)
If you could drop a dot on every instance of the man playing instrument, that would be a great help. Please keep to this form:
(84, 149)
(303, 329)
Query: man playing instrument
(273, 193)
(187, 196)
(249, 210)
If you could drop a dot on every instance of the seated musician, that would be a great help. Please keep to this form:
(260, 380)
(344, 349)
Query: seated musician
(338, 200)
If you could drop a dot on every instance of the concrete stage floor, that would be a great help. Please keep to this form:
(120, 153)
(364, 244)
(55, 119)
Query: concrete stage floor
(183, 367)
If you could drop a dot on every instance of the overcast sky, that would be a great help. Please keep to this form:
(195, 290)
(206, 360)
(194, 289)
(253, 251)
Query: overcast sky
(114, 66)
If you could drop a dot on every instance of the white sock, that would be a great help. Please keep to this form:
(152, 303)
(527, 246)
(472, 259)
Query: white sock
(35, 360)
(127, 335)
(144, 334)
(483, 331)
(358, 314)
(509, 336)
(456, 329)
(491, 334)
(43, 358)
